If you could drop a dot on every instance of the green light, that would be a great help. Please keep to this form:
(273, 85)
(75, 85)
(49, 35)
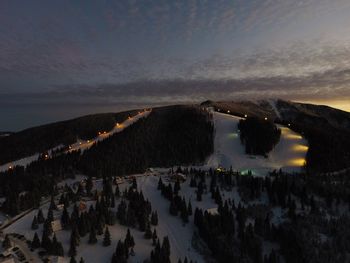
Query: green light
(247, 172)
(233, 135)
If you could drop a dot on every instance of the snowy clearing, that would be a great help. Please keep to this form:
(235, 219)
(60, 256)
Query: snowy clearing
(289, 153)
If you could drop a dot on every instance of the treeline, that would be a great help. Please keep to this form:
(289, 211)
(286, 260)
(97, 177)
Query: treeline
(259, 136)
(42, 138)
(168, 136)
(329, 148)
(327, 131)
(176, 135)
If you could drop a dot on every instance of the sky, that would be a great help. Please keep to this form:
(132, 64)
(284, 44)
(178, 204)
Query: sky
(63, 58)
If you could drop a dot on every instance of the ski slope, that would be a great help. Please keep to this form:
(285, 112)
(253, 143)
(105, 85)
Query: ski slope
(288, 154)
(80, 144)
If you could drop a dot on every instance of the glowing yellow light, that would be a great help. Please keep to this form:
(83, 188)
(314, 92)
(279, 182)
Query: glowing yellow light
(288, 124)
(228, 111)
(10, 167)
(99, 133)
(70, 147)
(293, 136)
(245, 116)
(265, 118)
(79, 143)
(300, 148)
(297, 162)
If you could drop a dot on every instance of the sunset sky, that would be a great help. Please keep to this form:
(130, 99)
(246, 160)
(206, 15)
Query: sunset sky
(60, 59)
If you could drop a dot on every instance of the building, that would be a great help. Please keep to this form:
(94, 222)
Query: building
(7, 259)
(56, 225)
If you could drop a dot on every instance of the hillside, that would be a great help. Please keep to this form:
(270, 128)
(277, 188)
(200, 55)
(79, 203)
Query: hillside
(326, 129)
(42, 138)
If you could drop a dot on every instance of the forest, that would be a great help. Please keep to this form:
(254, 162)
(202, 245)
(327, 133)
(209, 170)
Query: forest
(42, 138)
(168, 136)
(259, 136)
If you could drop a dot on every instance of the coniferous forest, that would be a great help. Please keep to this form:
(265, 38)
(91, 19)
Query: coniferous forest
(42, 138)
(169, 136)
(259, 136)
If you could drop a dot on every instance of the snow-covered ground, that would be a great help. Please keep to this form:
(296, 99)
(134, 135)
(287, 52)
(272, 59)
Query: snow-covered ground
(180, 236)
(289, 153)
(83, 145)
(80, 144)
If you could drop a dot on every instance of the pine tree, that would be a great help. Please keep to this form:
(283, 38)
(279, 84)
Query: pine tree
(189, 208)
(117, 191)
(173, 209)
(107, 238)
(129, 240)
(35, 223)
(46, 241)
(177, 187)
(165, 250)
(36, 241)
(6, 244)
(65, 220)
(47, 227)
(154, 237)
(160, 183)
(199, 196)
(74, 237)
(184, 214)
(56, 247)
(89, 185)
(72, 260)
(92, 236)
(52, 203)
(50, 215)
(148, 232)
(154, 218)
(40, 217)
(120, 255)
(72, 249)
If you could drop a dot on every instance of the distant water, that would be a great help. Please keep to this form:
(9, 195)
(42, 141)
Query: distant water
(19, 117)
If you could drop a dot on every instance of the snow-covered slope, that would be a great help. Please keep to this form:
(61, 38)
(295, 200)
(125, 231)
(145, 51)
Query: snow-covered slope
(83, 145)
(80, 144)
(289, 153)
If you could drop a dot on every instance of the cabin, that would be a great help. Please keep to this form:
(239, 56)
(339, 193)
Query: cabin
(178, 177)
(212, 211)
(56, 225)
(7, 258)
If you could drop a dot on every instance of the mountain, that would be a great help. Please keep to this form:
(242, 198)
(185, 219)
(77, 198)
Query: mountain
(43, 138)
(326, 129)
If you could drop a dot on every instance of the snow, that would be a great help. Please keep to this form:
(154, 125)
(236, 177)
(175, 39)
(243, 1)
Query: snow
(288, 154)
(80, 144)
(84, 145)
(274, 107)
(228, 151)
(27, 160)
